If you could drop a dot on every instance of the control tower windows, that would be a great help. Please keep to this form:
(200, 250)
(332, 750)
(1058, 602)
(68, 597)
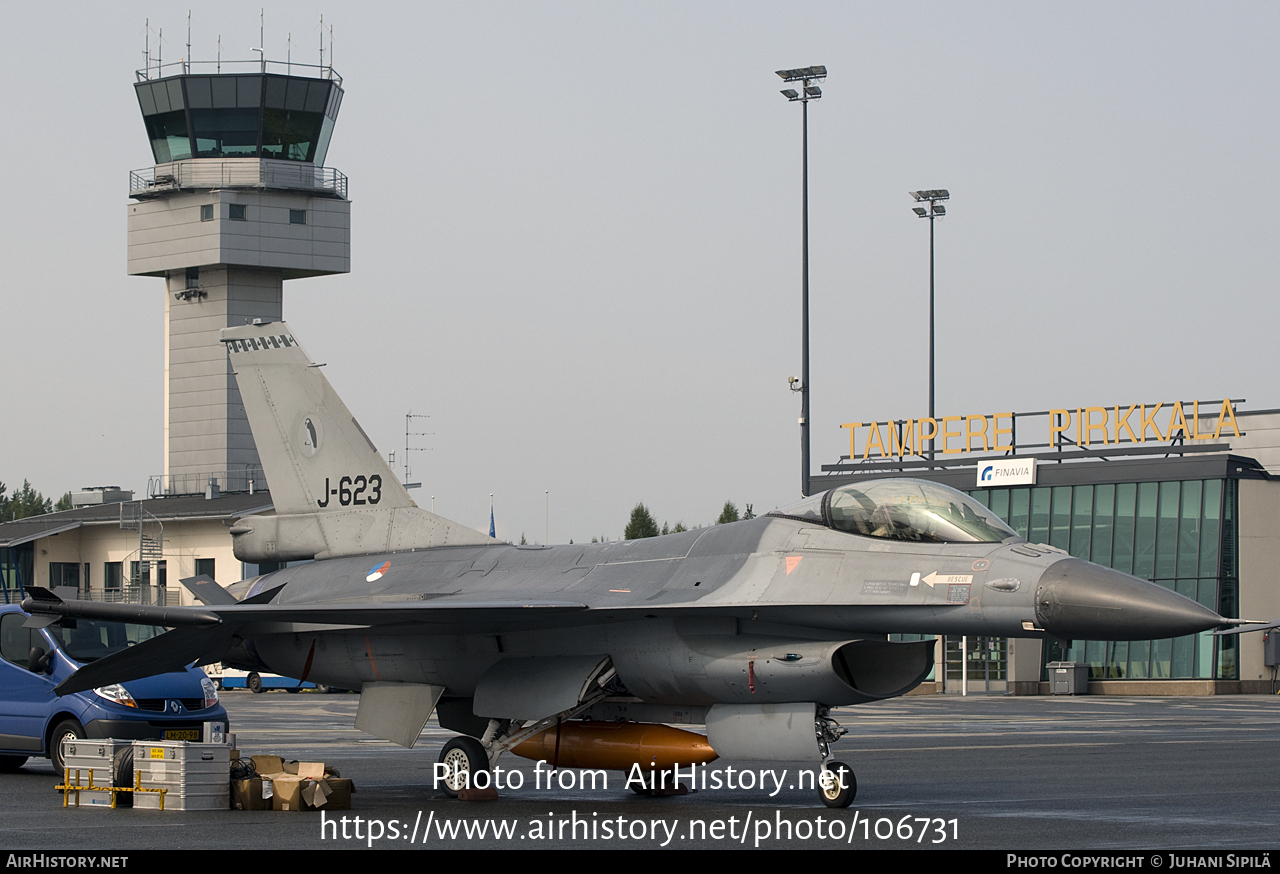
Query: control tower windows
(289, 134)
(225, 133)
(287, 118)
(168, 133)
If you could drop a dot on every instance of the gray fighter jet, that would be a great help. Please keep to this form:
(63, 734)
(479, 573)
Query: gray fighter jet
(586, 654)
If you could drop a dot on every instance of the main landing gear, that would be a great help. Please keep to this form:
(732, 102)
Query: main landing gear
(465, 756)
(462, 757)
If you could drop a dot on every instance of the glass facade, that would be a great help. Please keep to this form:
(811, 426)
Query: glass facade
(1179, 534)
(17, 565)
(287, 118)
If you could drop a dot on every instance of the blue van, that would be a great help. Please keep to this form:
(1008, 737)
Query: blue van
(34, 721)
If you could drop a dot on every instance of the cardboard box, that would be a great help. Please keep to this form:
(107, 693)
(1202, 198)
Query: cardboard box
(247, 795)
(303, 785)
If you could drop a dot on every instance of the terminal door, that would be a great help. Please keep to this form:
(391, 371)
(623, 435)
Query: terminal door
(984, 660)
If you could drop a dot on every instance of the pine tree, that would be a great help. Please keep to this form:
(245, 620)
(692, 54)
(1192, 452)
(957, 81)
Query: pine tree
(25, 502)
(642, 524)
(728, 514)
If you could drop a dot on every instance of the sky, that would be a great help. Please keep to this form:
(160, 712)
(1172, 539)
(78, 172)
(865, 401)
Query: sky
(576, 234)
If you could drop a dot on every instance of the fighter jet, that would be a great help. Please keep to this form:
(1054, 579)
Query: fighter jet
(588, 655)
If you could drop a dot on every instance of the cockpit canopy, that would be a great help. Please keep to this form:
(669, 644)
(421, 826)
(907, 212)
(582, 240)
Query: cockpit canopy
(902, 509)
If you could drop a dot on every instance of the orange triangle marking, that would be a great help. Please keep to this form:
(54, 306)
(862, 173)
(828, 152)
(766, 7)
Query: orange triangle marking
(792, 561)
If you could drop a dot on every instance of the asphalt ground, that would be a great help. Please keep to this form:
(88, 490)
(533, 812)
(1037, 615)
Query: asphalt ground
(1107, 775)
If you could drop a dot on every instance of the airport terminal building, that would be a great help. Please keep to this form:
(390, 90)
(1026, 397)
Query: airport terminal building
(1185, 494)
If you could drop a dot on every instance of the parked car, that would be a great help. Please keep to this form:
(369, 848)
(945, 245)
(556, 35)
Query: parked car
(34, 721)
(256, 681)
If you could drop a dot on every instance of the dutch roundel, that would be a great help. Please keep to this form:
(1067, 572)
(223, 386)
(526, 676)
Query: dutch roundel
(376, 572)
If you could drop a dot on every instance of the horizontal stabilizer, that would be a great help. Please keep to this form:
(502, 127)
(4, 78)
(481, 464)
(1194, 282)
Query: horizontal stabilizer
(207, 591)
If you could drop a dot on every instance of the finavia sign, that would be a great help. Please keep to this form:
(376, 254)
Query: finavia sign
(1009, 472)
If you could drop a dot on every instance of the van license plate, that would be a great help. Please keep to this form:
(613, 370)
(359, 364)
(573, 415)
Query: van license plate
(182, 734)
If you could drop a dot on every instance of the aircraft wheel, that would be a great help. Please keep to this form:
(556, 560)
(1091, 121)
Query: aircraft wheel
(293, 689)
(254, 682)
(9, 764)
(464, 756)
(66, 730)
(841, 790)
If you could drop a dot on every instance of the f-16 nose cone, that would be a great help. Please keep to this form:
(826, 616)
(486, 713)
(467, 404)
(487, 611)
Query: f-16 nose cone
(1077, 599)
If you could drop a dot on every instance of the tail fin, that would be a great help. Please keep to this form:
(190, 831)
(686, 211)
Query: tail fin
(333, 493)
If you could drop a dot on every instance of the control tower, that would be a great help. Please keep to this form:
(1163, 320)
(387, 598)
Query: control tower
(238, 201)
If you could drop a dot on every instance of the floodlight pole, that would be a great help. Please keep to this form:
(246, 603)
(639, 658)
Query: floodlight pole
(932, 341)
(806, 76)
(936, 209)
(804, 309)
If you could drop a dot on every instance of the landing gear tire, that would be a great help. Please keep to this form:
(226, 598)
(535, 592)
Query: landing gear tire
(464, 757)
(842, 785)
(293, 689)
(254, 682)
(68, 729)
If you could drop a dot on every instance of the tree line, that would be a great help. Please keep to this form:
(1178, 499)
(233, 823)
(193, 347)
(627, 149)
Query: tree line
(26, 501)
(642, 523)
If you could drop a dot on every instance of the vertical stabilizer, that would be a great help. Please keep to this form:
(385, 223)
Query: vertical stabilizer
(333, 492)
(314, 453)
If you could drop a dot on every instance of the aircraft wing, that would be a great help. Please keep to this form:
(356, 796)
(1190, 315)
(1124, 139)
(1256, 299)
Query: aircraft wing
(205, 634)
(360, 612)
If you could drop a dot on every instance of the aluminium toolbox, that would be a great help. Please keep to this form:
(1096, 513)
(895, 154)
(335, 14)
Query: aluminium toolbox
(196, 776)
(93, 767)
